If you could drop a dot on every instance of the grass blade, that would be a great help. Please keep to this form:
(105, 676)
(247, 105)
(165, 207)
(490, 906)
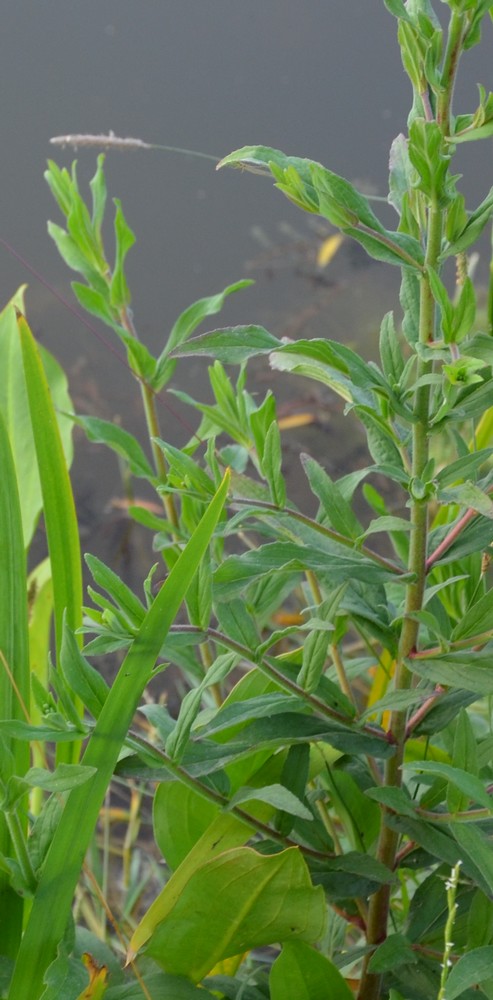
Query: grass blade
(14, 665)
(58, 502)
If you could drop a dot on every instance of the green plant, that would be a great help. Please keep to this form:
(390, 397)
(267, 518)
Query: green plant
(323, 776)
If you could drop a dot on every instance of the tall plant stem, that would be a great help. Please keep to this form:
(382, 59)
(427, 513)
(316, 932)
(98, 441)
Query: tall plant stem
(153, 428)
(378, 912)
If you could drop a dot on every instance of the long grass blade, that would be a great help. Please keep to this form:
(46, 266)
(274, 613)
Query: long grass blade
(14, 666)
(58, 502)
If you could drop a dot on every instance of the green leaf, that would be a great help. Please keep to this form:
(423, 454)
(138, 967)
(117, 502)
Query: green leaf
(479, 921)
(199, 597)
(464, 467)
(467, 495)
(386, 524)
(465, 756)
(390, 350)
(470, 970)
(475, 537)
(75, 259)
(466, 669)
(293, 727)
(395, 699)
(62, 733)
(96, 302)
(397, 8)
(237, 572)
(294, 776)
(390, 247)
(58, 502)
(124, 240)
(190, 706)
(82, 679)
(401, 174)
(301, 973)
(180, 816)
(464, 312)
(314, 188)
(62, 779)
(98, 192)
(60, 184)
(185, 326)
(477, 619)
(276, 795)
(14, 667)
(396, 799)
(186, 469)
(335, 507)
(471, 787)
(66, 978)
(475, 846)
(189, 320)
(272, 463)
(315, 646)
(236, 621)
(119, 440)
(272, 899)
(120, 594)
(396, 950)
(139, 357)
(80, 228)
(472, 134)
(340, 202)
(232, 345)
(258, 159)
(233, 715)
(473, 228)
(380, 438)
(430, 157)
(409, 299)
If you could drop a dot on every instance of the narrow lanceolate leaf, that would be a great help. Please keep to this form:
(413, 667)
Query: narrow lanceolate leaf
(232, 345)
(467, 495)
(52, 904)
(471, 787)
(237, 572)
(115, 437)
(185, 325)
(471, 970)
(465, 669)
(475, 847)
(58, 502)
(14, 663)
(477, 619)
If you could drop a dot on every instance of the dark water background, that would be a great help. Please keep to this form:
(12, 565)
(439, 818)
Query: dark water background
(320, 78)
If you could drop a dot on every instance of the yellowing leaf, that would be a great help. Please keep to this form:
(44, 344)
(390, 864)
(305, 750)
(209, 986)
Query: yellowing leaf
(97, 980)
(382, 675)
(228, 966)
